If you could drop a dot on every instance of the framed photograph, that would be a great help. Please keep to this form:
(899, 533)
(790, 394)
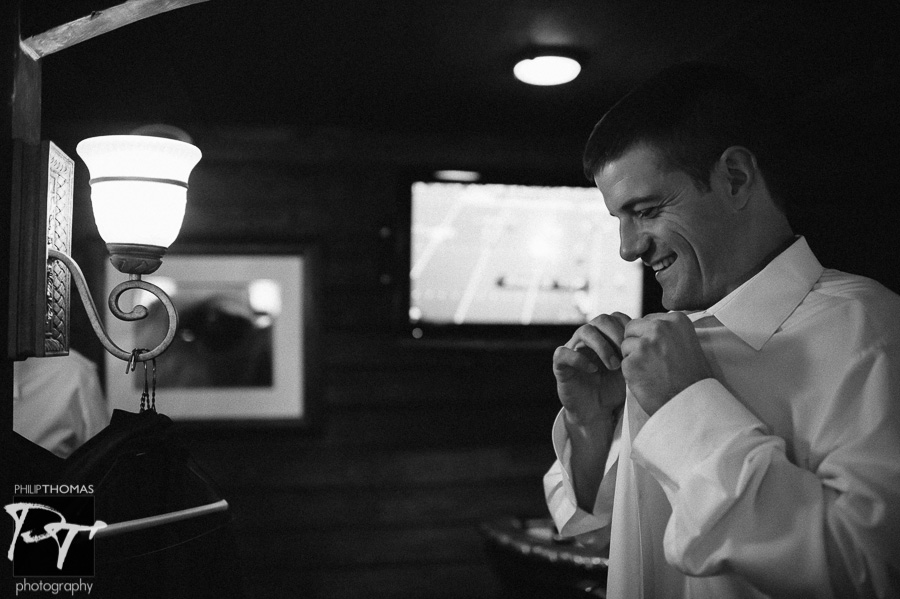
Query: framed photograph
(242, 348)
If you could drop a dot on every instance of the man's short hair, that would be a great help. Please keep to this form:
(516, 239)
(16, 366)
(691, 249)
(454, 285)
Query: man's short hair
(690, 113)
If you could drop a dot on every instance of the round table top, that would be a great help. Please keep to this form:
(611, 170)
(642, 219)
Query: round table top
(538, 538)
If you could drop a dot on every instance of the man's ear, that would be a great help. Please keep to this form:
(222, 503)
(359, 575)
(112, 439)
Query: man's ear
(739, 173)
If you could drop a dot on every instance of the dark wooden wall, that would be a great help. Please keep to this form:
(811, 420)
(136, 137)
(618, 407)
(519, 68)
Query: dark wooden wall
(412, 444)
(9, 39)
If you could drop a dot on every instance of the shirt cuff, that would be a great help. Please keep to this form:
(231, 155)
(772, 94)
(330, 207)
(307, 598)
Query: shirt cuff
(695, 424)
(570, 519)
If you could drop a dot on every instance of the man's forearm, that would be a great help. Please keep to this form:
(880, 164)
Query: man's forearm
(590, 447)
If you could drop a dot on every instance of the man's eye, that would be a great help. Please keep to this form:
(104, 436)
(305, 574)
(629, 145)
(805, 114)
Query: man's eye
(648, 212)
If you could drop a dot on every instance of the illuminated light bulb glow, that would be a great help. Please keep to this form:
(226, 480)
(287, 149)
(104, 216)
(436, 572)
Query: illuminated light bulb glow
(547, 70)
(138, 212)
(138, 186)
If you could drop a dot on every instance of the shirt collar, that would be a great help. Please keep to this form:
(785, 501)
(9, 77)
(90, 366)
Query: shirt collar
(756, 309)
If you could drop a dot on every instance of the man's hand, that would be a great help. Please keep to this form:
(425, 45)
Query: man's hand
(587, 369)
(662, 358)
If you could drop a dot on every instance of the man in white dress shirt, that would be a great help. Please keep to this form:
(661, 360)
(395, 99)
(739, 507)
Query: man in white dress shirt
(746, 443)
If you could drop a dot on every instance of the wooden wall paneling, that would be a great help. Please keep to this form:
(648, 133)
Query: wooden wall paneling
(338, 507)
(420, 427)
(283, 466)
(466, 385)
(401, 581)
(352, 548)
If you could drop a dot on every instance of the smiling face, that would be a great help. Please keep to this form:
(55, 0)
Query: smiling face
(689, 236)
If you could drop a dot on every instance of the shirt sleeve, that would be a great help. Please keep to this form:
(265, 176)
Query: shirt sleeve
(559, 491)
(739, 505)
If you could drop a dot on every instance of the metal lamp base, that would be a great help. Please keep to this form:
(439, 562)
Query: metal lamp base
(135, 259)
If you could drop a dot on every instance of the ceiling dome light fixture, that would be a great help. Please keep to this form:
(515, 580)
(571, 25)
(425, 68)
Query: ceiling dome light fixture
(547, 69)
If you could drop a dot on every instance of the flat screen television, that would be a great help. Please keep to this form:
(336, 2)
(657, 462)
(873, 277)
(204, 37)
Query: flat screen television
(504, 259)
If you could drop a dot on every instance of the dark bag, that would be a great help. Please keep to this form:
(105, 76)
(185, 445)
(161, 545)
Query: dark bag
(139, 469)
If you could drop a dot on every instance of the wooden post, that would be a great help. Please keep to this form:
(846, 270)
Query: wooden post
(9, 65)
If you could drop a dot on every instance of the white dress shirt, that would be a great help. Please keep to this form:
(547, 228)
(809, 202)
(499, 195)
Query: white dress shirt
(58, 402)
(778, 477)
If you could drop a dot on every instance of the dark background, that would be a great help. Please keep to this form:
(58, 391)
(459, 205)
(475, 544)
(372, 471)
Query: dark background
(310, 115)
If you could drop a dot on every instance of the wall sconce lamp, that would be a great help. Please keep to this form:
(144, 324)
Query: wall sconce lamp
(138, 193)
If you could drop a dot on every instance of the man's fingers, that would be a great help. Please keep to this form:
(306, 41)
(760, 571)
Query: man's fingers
(623, 319)
(668, 331)
(565, 358)
(598, 347)
(603, 337)
(591, 355)
(611, 326)
(652, 323)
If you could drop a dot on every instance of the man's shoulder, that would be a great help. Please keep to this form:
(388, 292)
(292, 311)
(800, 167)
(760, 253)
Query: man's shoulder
(843, 286)
(855, 303)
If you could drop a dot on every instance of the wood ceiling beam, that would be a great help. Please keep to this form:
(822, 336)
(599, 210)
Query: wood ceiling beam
(97, 23)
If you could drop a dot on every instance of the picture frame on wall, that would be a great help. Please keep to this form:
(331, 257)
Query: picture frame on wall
(244, 345)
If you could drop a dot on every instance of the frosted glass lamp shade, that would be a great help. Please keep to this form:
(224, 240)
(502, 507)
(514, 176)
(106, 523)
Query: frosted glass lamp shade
(138, 186)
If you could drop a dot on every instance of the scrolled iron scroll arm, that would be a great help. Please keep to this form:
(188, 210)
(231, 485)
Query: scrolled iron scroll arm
(137, 313)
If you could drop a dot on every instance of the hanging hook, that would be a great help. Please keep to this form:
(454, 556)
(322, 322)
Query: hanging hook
(132, 361)
(153, 386)
(145, 395)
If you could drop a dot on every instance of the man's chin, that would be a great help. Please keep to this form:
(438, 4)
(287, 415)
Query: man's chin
(673, 301)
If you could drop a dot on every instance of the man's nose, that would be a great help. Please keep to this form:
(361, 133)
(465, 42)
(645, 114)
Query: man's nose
(632, 242)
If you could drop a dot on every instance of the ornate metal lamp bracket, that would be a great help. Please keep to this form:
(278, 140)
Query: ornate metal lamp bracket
(137, 313)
